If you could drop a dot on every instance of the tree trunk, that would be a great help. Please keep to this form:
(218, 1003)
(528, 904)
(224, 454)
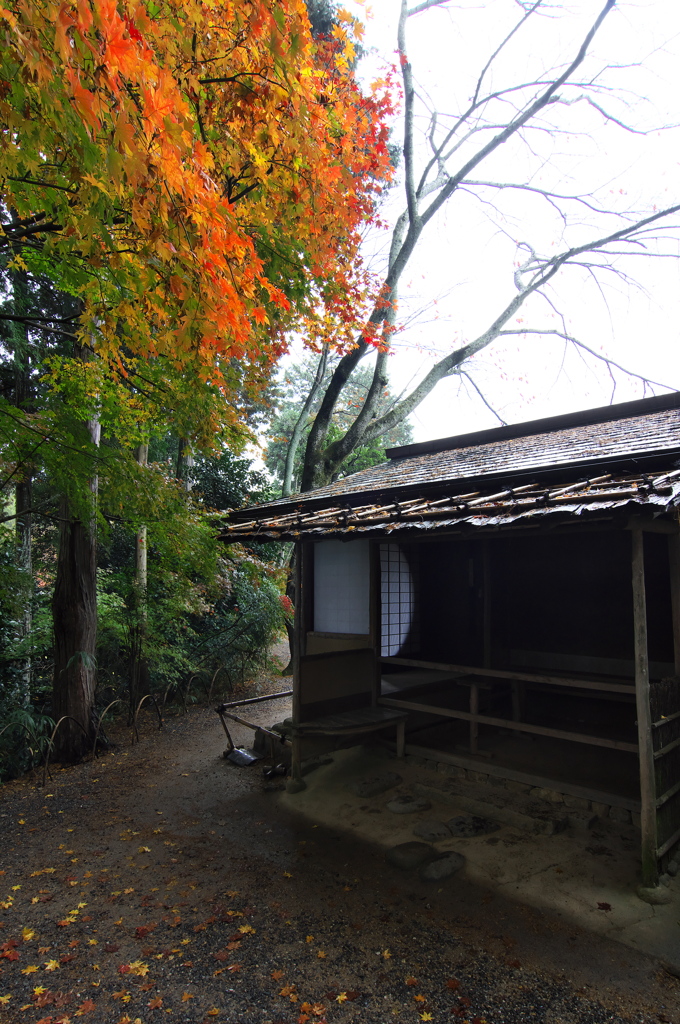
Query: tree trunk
(185, 463)
(139, 669)
(24, 538)
(74, 618)
(74, 615)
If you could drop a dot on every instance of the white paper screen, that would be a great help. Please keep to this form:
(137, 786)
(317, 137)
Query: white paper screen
(341, 587)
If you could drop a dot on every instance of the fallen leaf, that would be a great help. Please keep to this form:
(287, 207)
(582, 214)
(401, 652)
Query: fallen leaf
(604, 906)
(155, 1004)
(186, 996)
(414, 981)
(31, 969)
(321, 955)
(276, 975)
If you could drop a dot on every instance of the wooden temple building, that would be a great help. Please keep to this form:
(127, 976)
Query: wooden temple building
(513, 596)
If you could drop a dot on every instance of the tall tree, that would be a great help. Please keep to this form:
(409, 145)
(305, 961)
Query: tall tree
(198, 175)
(301, 393)
(461, 158)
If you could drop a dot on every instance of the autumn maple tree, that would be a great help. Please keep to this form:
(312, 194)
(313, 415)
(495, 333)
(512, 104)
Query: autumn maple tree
(197, 175)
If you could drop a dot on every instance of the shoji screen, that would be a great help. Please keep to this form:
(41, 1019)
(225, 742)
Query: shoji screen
(341, 587)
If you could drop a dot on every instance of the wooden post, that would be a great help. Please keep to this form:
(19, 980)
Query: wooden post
(474, 710)
(650, 871)
(375, 616)
(296, 782)
(486, 605)
(674, 567)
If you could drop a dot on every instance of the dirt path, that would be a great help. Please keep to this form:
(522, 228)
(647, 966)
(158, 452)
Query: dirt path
(162, 882)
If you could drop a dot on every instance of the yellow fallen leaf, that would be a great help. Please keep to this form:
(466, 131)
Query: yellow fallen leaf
(144, 849)
(31, 969)
(341, 998)
(426, 1016)
(387, 954)
(186, 996)
(27, 934)
(212, 1013)
(310, 938)
(93, 942)
(246, 929)
(321, 955)
(39, 989)
(5, 999)
(287, 874)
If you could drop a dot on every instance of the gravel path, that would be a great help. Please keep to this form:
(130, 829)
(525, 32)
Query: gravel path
(161, 882)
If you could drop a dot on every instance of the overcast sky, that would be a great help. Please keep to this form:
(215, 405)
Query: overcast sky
(463, 272)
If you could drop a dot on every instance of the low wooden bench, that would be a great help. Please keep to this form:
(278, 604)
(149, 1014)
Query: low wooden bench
(344, 723)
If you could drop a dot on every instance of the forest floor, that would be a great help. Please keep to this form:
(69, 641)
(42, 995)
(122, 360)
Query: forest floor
(161, 882)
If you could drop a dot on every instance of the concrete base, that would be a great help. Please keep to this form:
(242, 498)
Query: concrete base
(585, 869)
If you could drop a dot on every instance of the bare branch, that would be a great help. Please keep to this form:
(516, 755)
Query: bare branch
(469, 379)
(592, 352)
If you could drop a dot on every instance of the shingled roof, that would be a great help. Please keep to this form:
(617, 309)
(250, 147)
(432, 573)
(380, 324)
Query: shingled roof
(545, 463)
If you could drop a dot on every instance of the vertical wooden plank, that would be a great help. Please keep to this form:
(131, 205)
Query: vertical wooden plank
(296, 783)
(474, 710)
(674, 567)
(486, 604)
(650, 871)
(298, 627)
(374, 626)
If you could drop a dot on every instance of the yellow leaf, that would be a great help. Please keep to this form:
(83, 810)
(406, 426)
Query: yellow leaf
(310, 938)
(51, 965)
(387, 954)
(287, 874)
(5, 999)
(321, 955)
(341, 998)
(27, 934)
(186, 996)
(212, 1013)
(426, 1016)
(31, 969)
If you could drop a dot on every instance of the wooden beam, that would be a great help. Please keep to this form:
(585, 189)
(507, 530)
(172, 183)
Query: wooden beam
(507, 723)
(674, 568)
(650, 869)
(668, 844)
(653, 526)
(497, 673)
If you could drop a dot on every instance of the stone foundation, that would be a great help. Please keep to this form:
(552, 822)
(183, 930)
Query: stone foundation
(549, 796)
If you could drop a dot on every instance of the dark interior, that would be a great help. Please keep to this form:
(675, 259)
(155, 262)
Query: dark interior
(555, 604)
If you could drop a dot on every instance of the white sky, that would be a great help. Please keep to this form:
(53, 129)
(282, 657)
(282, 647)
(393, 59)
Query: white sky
(466, 260)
